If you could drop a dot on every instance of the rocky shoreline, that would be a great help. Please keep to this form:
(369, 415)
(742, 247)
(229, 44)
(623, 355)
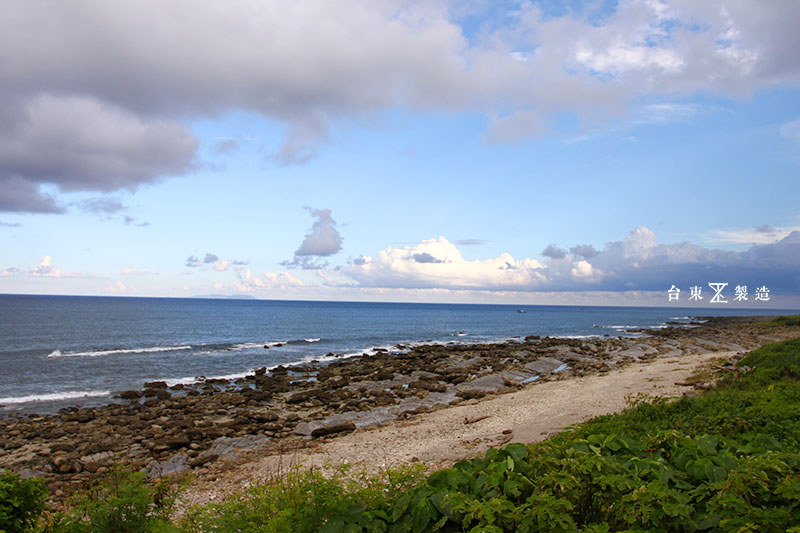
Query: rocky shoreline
(168, 430)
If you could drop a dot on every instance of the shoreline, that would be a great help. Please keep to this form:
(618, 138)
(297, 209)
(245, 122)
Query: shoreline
(207, 429)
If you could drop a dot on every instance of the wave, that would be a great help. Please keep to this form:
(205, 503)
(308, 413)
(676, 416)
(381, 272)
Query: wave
(114, 351)
(312, 340)
(54, 396)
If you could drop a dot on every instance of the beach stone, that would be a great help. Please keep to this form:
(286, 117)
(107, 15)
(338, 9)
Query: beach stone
(489, 383)
(174, 465)
(130, 395)
(543, 365)
(231, 445)
(335, 428)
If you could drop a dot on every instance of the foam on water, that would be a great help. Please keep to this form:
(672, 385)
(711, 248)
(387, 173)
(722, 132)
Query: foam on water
(54, 396)
(114, 351)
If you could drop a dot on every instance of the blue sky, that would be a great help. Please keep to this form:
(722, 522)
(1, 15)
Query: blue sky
(460, 151)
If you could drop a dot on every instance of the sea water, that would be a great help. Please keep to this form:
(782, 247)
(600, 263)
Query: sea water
(57, 351)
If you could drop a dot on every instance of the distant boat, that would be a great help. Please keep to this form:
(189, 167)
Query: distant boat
(521, 311)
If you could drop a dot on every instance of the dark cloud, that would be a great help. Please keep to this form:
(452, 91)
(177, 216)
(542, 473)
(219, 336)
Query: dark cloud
(470, 242)
(193, 262)
(132, 221)
(586, 251)
(425, 257)
(226, 146)
(18, 195)
(323, 240)
(97, 96)
(101, 205)
(765, 228)
(210, 258)
(10, 224)
(82, 144)
(554, 252)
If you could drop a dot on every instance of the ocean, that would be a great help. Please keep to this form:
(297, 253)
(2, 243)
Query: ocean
(58, 351)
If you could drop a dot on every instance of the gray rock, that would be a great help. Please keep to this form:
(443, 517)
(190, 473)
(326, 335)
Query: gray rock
(489, 383)
(174, 465)
(543, 365)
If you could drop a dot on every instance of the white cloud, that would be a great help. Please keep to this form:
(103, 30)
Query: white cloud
(438, 263)
(117, 287)
(222, 266)
(638, 262)
(133, 272)
(249, 282)
(46, 268)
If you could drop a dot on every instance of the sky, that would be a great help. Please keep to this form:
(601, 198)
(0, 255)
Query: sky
(584, 153)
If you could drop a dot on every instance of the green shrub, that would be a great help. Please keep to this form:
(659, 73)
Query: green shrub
(123, 502)
(309, 501)
(21, 502)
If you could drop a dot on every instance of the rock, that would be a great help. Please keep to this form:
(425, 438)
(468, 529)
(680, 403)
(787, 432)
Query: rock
(489, 383)
(543, 365)
(335, 428)
(130, 395)
(203, 459)
(471, 394)
(155, 385)
(174, 465)
(177, 442)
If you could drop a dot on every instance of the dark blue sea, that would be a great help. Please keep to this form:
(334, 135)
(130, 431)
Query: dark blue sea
(57, 351)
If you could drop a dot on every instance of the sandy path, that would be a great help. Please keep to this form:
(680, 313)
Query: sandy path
(441, 438)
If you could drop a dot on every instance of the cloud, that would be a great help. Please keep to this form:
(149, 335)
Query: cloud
(763, 234)
(83, 144)
(102, 205)
(100, 105)
(249, 282)
(8, 272)
(554, 252)
(116, 288)
(132, 272)
(442, 267)
(322, 241)
(10, 224)
(219, 265)
(586, 251)
(46, 268)
(470, 242)
(636, 263)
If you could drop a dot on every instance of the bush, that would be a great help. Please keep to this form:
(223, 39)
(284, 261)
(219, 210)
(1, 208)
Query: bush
(123, 502)
(21, 502)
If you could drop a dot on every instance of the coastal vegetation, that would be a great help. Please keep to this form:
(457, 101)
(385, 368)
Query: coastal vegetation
(725, 459)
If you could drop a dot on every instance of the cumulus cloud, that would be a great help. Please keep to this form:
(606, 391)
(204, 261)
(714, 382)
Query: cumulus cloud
(322, 241)
(249, 282)
(116, 288)
(586, 251)
(442, 266)
(214, 261)
(98, 96)
(554, 252)
(636, 263)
